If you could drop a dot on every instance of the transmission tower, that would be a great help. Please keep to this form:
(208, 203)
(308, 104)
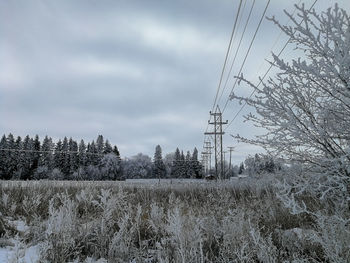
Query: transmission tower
(206, 156)
(230, 148)
(219, 164)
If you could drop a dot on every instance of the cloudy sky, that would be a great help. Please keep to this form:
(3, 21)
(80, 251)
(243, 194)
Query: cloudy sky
(141, 73)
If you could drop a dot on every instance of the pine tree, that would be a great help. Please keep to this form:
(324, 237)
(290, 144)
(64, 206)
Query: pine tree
(19, 157)
(65, 158)
(93, 154)
(11, 162)
(182, 166)
(73, 156)
(241, 169)
(82, 154)
(36, 153)
(107, 148)
(100, 144)
(3, 157)
(46, 158)
(188, 166)
(58, 156)
(196, 165)
(158, 164)
(28, 157)
(116, 152)
(175, 168)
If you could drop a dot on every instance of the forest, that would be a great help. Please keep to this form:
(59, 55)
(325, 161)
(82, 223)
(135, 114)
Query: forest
(31, 159)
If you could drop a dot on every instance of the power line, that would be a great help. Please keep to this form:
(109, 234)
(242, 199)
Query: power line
(250, 46)
(52, 151)
(225, 62)
(227, 53)
(262, 79)
(239, 45)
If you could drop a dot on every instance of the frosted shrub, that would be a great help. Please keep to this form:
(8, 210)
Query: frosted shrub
(30, 206)
(334, 236)
(105, 222)
(121, 242)
(93, 221)
(184, 238)
(61, 231)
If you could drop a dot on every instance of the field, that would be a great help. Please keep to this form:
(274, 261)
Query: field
(151, 221)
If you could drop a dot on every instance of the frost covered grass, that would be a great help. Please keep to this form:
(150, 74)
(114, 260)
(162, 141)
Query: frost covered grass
(236, 221)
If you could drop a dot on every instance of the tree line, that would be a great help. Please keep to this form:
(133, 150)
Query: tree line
(29, 158)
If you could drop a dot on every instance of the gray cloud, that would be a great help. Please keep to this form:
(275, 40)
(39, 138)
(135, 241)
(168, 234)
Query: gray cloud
(139, 72)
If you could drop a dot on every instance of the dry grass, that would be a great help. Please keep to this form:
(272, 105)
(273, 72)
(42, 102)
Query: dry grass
(238, 221)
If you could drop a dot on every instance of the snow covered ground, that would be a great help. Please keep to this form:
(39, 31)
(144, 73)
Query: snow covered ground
(13, 250)
(19, 254)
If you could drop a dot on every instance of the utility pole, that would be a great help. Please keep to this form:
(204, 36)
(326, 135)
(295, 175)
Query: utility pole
(231, 148)
(224, 177)
(219, 171)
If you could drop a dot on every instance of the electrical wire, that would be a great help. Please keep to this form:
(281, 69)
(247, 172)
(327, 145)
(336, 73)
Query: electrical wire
(239, 45)
(248, 51)
(262, 79)
(227, 54)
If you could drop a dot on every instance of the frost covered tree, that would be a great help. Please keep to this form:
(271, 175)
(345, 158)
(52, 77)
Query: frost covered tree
(116, 152)
(3, 157)
(36, 153)
(65, 168)
(189, 173)
(73, 156)
(110, 167)
(28, 157)
(305, 108)
(168, 162)
(176, 165)
(241, 169)
(82, 154)
(107, 148)
(260, 164)
(11, 161)
(46, 158)
(138, 167)
(196, 165)
(58, 158)
(158, 164)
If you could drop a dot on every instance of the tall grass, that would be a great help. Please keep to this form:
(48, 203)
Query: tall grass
(239, 221)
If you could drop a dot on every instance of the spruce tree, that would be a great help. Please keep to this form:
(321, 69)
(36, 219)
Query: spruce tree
(36, 153)
(46, 158)
(65, 158)
(20, 157)
(73, 156)
(107, 148)
(241, 169)
(58, 157)
(28, 147)
(158, 164)
(182, 166)
(3, 157)
(188, 166)
(196, 165)
(82, 154)
(175, 168)
(116, 152)
(11, 163)
(93, 154)
(100, 144)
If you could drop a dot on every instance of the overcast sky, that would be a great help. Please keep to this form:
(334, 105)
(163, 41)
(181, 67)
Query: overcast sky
(140, 73)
